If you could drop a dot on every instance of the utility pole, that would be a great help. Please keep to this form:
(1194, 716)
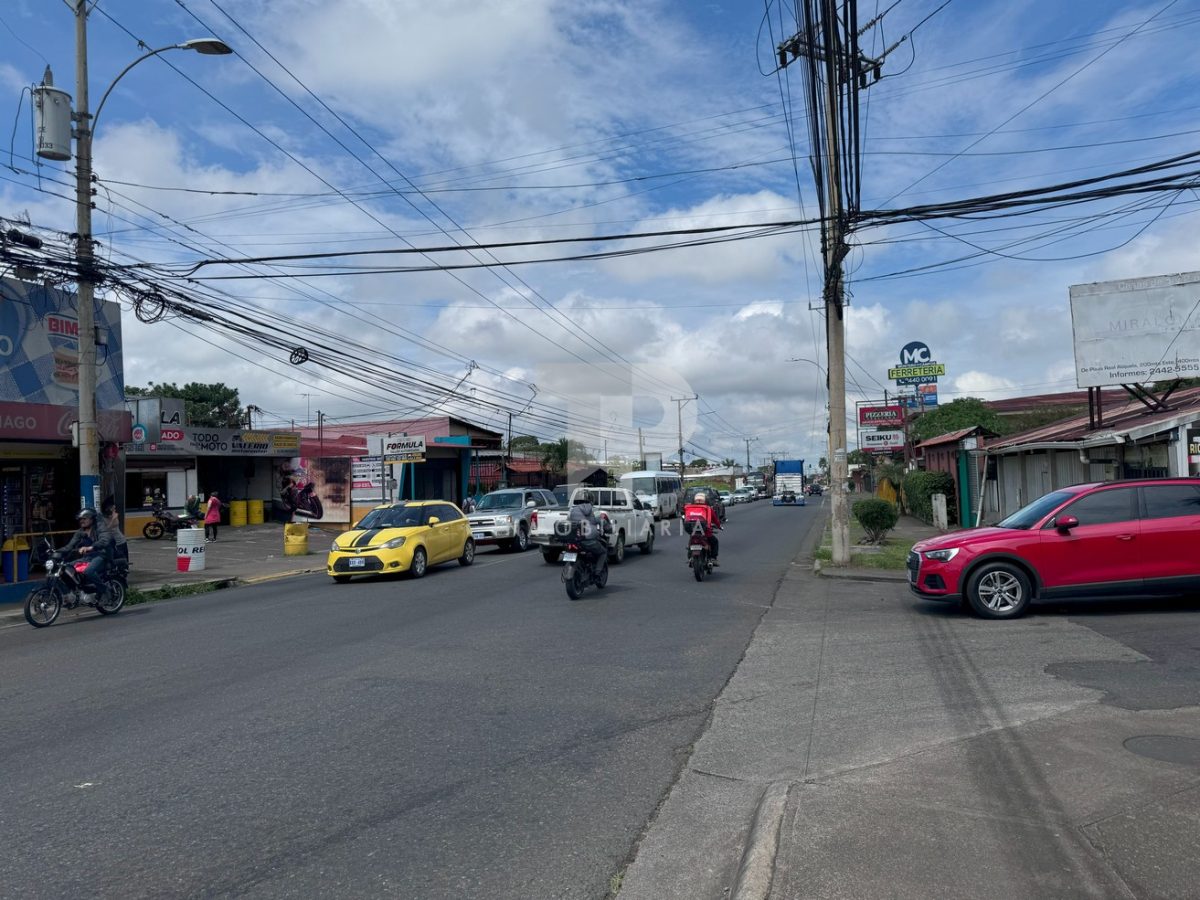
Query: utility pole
(679, 413)
(89, 448)
(508, 454)
(641, 451)
(834, 63)
(748, 441)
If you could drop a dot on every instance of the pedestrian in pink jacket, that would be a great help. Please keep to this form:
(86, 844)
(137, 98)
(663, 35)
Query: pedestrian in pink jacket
(212, 518)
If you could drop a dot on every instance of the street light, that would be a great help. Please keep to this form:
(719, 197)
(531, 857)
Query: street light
(89, 468)
(814, 362)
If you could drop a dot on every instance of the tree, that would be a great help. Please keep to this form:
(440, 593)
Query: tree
(858, 458)
(524, 443)
(729, 462)
(699, 462)
(822, 464)
(206, 405)
(966, 412)
(557, 454)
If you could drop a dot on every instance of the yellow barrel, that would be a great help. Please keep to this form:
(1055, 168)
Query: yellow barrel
(254, 512)
(237, 513)
(295, 539)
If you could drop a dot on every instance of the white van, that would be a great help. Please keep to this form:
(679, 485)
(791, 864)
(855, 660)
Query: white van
(658, 490)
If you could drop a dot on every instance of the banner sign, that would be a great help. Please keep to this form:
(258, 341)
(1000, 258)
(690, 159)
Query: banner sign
(881, 440)
(44, 422)
(397, 448)
(1194, 447)
(881, 416)
(926, 373)
(192, 441)
(927, 395)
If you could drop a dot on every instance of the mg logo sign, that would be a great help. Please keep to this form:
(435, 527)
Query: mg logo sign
(915, 353)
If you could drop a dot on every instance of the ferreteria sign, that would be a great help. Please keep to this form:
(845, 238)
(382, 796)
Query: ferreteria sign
(917, 365)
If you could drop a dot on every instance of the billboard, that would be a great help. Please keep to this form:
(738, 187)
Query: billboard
(1136, 330)
(881, 416)
(927, 395)
(398, 448)
(881, 440)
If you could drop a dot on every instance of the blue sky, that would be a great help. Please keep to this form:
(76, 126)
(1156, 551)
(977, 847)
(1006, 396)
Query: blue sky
(377, 124)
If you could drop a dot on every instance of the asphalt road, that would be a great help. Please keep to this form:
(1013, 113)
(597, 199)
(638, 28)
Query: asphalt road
(471, 734)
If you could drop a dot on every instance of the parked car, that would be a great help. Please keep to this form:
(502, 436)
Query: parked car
(400, 537)
(1124, 538)
(726, 497)
(502, 517)
(743, 495)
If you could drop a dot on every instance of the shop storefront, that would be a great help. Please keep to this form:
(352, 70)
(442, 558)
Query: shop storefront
(241, 466)
(39, 405)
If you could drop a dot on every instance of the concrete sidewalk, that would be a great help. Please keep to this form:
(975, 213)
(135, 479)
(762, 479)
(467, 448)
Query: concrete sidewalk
(907, 532)
(874, 745)
(239, 556)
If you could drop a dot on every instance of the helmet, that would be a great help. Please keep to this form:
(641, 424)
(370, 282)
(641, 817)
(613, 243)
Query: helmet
(86, 513)
(701, 497)
(583, 497)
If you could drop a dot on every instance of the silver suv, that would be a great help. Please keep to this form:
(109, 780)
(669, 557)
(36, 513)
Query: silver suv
(502, 517)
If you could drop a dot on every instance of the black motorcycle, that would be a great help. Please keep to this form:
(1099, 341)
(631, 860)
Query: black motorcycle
(165, 522)
(64, 589)
(580, 568)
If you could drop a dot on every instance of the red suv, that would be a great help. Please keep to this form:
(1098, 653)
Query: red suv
(1089, 540)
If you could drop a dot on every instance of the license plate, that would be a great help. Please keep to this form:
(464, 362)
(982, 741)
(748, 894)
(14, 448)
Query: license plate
(476, 534)
(357, 562)
(696, 551)
(569, 557)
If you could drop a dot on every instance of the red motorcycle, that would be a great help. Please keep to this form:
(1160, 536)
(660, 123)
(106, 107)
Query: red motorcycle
(699, 548)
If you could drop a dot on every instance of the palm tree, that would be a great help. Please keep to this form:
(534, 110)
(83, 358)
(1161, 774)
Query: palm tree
(729, 462)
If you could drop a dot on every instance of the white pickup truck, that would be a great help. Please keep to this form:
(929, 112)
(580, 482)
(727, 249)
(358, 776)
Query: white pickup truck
(632, 523)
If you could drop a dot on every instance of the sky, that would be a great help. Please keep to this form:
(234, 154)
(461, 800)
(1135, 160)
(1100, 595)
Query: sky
(384, 125)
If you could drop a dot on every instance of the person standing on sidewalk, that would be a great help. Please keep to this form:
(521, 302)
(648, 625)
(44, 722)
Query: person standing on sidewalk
(212, 518)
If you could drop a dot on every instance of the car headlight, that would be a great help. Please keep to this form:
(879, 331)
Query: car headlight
(942, 555)
(393, 544)
(507, 520)
(334, 546)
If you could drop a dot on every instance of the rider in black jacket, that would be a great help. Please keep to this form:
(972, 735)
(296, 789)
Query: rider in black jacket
(94, 543)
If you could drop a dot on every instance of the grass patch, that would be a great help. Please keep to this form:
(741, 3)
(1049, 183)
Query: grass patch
(133, 596)
(892, 554)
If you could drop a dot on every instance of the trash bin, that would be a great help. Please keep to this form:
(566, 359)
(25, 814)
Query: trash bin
(237, 513)
(255, 513)
(15, 561)
(189, 550)
(295, 539)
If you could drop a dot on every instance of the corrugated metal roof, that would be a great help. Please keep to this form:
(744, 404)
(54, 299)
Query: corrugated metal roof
(952, 437)
(1128, 418)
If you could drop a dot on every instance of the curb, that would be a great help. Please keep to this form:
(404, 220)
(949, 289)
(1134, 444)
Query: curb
(757, 866)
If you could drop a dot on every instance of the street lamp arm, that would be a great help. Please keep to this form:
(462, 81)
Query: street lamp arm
(814, 362)
(208, 46)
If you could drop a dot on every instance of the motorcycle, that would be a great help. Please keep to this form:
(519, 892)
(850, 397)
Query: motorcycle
(64, 589)
(699, 550)
(167, 523)
(580, 569)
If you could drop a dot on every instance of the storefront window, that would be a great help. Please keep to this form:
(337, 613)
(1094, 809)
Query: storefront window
(144, 489)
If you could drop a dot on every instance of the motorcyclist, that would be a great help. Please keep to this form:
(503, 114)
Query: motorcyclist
(699, 510)
(587, 527)
(94, 543)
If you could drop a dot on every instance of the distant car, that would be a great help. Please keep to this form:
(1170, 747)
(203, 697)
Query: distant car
(400, 537)
(714, 500)
(1124, 538)
(788, 498)
(814, 490)
(726, 497)
(743, 495)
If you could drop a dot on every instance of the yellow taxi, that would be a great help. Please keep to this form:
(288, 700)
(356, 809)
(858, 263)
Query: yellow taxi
(409, 536)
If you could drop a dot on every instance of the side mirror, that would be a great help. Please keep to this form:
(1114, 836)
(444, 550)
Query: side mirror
(530, 503)
(1066, 523)
(433, 520)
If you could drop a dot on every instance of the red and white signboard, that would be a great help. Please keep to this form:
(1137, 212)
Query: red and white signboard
(881, 440)
(881, 416)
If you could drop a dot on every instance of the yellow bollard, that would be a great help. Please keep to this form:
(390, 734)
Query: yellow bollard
(295, 539)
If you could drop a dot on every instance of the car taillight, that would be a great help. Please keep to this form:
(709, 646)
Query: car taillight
(533, 521)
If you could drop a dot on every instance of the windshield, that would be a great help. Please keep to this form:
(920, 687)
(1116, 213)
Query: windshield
(501, 501)
(642, 485)
(391, 517)
(1029, 515)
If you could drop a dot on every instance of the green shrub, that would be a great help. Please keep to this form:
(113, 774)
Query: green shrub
(877, 517)
(919, 488)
